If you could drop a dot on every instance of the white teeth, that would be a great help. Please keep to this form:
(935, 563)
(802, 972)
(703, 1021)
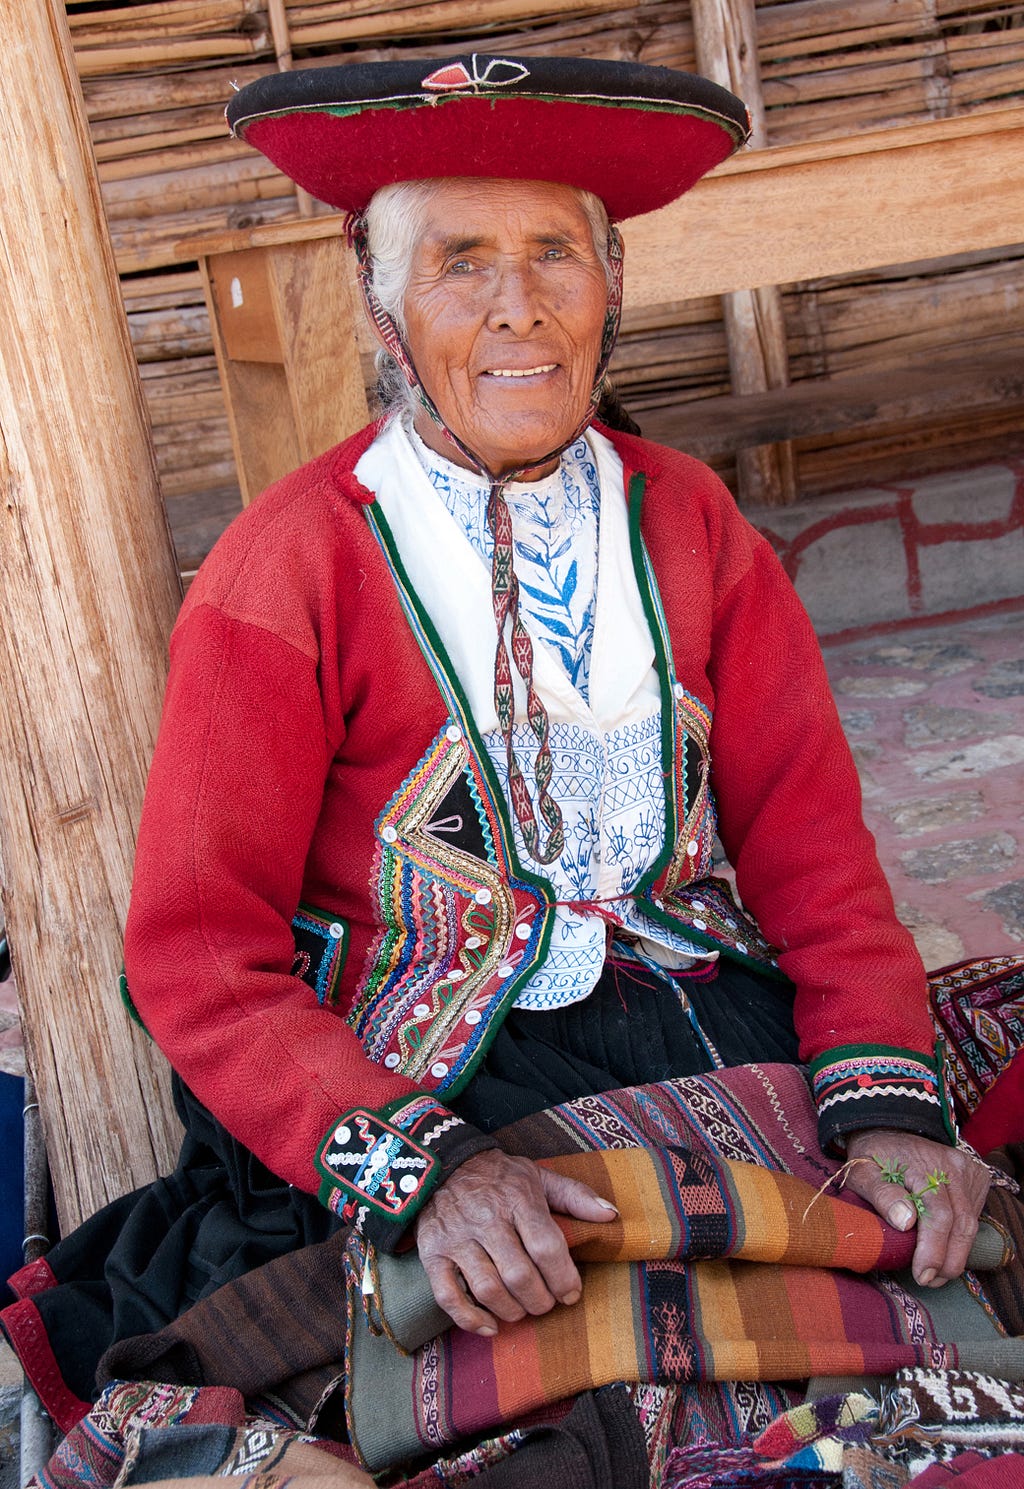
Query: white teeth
(524, 372)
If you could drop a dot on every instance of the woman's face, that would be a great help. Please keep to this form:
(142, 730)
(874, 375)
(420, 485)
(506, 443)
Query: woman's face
(504, 312)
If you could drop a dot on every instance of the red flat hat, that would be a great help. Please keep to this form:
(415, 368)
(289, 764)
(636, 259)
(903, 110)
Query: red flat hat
(637, 136)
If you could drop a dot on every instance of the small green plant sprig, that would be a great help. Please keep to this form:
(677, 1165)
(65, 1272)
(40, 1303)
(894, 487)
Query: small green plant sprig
(894, 1172)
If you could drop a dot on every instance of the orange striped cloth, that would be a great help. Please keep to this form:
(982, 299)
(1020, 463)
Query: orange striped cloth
(718, 1269)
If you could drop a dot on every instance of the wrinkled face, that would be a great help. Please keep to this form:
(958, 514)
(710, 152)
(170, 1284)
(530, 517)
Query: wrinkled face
(504, 311)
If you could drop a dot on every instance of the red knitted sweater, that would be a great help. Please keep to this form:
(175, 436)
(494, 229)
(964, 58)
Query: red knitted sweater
(298, 703)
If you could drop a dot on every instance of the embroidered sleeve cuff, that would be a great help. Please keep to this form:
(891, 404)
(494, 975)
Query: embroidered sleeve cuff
(377, 1168)
(875, 1085)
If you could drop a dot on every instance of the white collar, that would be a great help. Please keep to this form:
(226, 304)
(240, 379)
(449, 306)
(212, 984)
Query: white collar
(454, 588)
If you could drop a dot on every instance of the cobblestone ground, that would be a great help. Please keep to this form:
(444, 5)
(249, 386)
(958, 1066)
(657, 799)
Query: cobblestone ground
(935, 716)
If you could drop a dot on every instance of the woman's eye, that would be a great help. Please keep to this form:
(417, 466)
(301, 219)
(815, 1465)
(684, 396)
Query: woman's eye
(460, 266)
(552, 255)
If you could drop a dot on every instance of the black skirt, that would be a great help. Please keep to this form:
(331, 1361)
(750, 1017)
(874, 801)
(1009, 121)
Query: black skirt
(636, 1027)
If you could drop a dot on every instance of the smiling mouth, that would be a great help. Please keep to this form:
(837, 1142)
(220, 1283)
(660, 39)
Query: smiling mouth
(520, 372)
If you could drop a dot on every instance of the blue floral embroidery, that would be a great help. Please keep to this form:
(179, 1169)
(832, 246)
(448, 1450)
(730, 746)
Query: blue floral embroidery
(555, 526)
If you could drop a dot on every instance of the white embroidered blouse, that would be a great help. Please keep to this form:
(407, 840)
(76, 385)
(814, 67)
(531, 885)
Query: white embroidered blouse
(593, 668)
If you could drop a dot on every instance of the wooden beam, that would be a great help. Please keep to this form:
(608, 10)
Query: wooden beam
(714, 427)
(90, 592)
(807, 211)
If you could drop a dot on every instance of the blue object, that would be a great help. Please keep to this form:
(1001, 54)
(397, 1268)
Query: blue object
(12, 1177)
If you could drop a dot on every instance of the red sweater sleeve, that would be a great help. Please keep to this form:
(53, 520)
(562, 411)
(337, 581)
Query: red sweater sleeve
(232, 803)
(790, 820)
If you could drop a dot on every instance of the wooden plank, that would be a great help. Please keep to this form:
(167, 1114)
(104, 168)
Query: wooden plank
(722, 426)
(245, 308)
(319, 305)
(90, 592)
(284, 326)
(787, 214)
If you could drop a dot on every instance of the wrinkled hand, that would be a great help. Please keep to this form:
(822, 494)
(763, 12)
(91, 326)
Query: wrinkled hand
(947, 1229)
(490, 1247)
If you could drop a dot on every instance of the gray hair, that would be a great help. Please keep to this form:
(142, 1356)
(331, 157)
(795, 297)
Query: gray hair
(395, 221)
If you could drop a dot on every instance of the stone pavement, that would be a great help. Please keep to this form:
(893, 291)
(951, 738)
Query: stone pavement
(935, 716)
(925, 547)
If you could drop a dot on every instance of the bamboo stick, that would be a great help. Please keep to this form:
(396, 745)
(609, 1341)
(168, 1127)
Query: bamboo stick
(94, 61)
(174, 443)
(136, 131)
(217, 471)
(146, 292)
(989, 48)
(179, 17)
(184, 157)
(132, 96)
(443, 15)
(981, 10)
(244, 179)
(162, 334)
(846, 83)
(145, 151)
(979, 88)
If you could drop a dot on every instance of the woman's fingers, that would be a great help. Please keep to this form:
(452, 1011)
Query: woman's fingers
(450, 1295)
(571, 1197)
(950, 1187)
(490, 1225)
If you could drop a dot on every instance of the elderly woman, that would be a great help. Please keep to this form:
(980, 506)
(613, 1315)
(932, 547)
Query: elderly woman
(454, 715)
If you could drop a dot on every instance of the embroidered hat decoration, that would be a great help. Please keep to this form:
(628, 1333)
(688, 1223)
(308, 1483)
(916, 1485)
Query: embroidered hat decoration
(637, 136)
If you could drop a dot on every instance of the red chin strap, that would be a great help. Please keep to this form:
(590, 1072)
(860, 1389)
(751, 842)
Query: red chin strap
(504, 583)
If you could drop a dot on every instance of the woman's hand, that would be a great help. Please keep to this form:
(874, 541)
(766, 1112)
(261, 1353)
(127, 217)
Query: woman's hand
(949, 1224)
(490, 1247)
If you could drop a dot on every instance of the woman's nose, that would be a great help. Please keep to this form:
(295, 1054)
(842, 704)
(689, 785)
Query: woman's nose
(517, 305)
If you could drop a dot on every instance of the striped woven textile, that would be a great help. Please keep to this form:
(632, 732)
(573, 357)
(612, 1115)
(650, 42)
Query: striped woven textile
(772, 1297)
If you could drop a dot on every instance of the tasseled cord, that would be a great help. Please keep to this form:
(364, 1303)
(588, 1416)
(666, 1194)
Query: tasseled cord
(504, 584)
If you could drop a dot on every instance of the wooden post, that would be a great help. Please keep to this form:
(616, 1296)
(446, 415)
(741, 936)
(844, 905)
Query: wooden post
(89, 591)
(287, 328)
(725, 33)
(283, 47)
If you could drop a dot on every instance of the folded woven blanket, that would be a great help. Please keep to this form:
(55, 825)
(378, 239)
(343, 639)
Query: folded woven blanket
(726, 1264)
(675, 1204)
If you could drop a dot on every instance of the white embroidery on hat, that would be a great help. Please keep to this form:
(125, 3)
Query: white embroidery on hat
(455, 77)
